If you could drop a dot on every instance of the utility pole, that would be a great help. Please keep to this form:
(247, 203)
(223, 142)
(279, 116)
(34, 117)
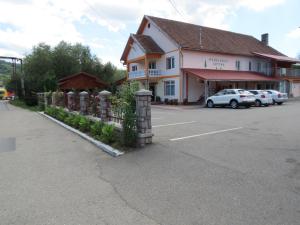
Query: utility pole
(14, 70)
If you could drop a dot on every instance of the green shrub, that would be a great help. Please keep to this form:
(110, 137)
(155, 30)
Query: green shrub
(84, 124)
(62, 114)
(96, 129)
(51, 111)
(68, 119)
(75, 121)
(108, 134)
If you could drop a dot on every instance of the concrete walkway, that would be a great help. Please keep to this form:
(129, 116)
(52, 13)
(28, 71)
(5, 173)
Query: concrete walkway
(249, 176)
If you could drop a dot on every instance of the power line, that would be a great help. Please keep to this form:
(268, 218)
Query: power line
(174, 6)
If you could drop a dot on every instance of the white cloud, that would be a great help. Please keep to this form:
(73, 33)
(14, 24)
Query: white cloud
(259, 5)
(294, 33)
(24, 23)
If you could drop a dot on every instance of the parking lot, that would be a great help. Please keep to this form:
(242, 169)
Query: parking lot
(205, 167)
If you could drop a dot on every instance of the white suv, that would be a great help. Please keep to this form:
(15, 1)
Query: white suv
(262, 97)
(278, 97)
(231, 97)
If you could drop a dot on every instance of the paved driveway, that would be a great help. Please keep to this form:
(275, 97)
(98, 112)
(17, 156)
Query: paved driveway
(206, 166)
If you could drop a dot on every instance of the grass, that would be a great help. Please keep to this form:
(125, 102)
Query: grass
(20, 103)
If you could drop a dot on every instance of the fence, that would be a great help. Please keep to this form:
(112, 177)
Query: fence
(103, 106)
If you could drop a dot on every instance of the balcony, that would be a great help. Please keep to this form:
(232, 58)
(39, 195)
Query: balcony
(288, 72)
(141, 73)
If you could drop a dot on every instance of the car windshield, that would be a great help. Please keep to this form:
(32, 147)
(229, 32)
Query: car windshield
(243, 92)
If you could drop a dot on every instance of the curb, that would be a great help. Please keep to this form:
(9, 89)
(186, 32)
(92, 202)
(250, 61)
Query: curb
(104, 147)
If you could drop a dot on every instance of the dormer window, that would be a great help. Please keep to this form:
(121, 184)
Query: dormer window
(149, 25)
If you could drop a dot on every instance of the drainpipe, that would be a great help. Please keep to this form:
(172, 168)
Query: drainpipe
(181, 77)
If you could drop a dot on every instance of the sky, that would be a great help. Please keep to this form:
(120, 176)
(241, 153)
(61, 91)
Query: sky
(105, 25)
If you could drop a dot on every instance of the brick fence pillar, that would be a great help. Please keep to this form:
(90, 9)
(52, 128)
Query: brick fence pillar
(71, 100)
(84, 102)
(143, 113)
(105, 105)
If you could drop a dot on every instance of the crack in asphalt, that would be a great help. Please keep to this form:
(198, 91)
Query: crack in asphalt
(115, 189)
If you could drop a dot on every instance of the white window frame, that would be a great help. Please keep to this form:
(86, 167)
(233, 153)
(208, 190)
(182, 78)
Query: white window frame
(169, 87)
(170, 62)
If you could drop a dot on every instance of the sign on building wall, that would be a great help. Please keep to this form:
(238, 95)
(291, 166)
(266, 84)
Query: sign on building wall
(215, 63)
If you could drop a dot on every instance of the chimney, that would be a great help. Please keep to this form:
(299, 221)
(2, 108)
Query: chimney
(265, 39)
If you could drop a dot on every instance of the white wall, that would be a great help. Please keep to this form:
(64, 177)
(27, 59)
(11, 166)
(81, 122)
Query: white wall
(195, 88)
(160, 89)
(161, 39)
(193, 59)
(135, 52)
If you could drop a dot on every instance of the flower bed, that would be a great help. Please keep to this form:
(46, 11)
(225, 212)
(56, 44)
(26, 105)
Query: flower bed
(106, 133)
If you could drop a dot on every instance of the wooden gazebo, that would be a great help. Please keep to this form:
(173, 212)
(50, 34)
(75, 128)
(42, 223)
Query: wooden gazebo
(81, 81)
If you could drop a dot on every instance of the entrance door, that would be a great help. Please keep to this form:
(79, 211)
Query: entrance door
(152, 89)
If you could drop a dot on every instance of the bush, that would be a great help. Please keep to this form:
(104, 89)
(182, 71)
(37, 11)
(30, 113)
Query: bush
(107, 134)
(166, 101)
(96, 129)
(31, 100)
(75, 121)
(61, 115)
(68, 119)
(84, 124)
(51, 111)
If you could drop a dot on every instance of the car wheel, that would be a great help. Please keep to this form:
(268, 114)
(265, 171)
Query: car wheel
(210, 104)
(279, 103)
(234, 104)
(257, 103)
(266, 105)
(248, 106)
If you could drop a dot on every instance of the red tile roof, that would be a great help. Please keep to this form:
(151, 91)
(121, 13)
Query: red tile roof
(187, 36)
(147, 43)
(220, 75)
(277, 57)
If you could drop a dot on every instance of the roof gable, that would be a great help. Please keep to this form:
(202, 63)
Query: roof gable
(145, 42)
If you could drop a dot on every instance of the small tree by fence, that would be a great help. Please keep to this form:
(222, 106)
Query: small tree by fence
(129, 109)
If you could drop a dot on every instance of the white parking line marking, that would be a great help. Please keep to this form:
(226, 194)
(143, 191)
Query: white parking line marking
(173, 124)
(156, 118)
(208, 133)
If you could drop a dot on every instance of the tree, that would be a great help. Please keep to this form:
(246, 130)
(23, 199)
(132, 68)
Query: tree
(46, 65)
(38, 69)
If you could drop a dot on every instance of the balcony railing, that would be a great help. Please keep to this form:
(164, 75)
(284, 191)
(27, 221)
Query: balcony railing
(141, 73)
(154, 72)
(136, 74)
(288, 72)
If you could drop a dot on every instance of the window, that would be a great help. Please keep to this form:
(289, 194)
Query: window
(152, 65)
(149, 25)
(230, 92)
(170, 62)
(134, 68)
(250, 66)
(258, 67)
(237, 64)
(170, 88)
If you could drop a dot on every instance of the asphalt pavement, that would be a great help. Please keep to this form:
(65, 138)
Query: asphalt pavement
(206, 166)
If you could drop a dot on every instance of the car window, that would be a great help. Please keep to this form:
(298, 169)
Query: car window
(254, 92)
(270, 92)
(221, 93)
(243, 92)
(230, 92)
